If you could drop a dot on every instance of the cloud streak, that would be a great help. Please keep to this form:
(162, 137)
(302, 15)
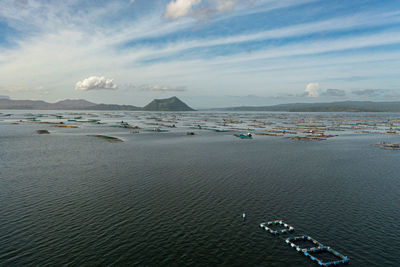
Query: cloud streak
(334, 93)
(367, 92)
(162, 88)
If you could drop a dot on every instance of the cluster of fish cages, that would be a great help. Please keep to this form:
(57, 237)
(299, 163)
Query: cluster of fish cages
(323, 255)
(310, 247)
(303, 243)
(269, 227)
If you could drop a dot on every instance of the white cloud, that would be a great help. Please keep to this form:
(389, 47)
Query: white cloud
(96, 83)
(311, 90)
(180, 8)
(225, 5)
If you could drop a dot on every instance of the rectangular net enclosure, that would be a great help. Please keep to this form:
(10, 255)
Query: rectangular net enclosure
(303, 243)
(310, 247)
(277, 227)
(326, 256)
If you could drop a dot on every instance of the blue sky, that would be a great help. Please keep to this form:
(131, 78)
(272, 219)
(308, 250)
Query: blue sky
(210, 53)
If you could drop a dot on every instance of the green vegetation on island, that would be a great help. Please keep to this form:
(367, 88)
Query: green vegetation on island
(169, 104)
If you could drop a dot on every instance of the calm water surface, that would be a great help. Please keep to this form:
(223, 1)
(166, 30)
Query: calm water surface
(176, 200)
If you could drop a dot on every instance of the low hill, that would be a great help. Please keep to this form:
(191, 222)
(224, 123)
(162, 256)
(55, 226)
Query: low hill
(79, 104)
(168, 104)
(113, 107)
(76, 104)
(24, 104)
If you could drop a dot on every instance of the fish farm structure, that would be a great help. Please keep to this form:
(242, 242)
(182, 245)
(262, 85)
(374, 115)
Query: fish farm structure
(308, 246)
(277, 227)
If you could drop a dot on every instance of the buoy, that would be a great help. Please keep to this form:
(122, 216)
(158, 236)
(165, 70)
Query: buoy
(244, 216)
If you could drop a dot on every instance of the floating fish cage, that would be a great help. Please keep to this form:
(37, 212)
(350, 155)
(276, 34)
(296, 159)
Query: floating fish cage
(271, 227)
(110, 139)
(310, 247)
(323, 255)
(157, 130)
(326, 256)
(303, 243)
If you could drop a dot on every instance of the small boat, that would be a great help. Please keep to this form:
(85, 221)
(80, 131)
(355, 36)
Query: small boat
(244, 136)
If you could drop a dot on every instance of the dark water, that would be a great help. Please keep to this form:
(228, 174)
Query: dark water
(176, 200)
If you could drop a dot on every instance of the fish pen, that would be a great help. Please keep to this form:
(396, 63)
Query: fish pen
(326, 256)
(157, 130)
(303, 243)
(277, 227)
(323, 255)
(310, 247)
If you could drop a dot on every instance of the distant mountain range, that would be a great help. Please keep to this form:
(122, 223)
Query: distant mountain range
(169, 104)
(175, 104)
(346, 106)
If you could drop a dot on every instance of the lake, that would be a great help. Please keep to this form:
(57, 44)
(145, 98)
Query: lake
(168, 198)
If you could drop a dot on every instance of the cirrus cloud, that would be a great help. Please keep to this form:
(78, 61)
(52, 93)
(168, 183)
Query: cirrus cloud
(96, 83)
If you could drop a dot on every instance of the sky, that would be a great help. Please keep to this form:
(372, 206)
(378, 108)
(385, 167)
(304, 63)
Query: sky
(209, 53)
